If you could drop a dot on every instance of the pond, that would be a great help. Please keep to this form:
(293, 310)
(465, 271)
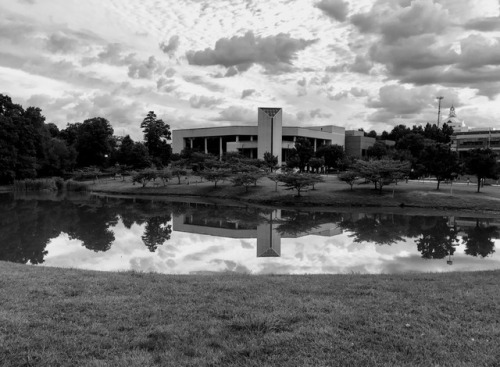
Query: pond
(153, 234)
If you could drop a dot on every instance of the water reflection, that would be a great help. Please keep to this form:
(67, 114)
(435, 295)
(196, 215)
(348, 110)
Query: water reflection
(31, 224)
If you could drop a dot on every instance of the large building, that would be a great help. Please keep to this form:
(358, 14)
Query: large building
(464, 138)
(253, 141)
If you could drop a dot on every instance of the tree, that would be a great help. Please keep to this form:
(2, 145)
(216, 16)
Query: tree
(478, 240)
(348, 177)
(215, 175)
(381, 172)
(298, 181)
(302, 152)
(144, 176)
(178, 171)
(164, 175)
(156, 232)
(441, 162)
(332, 154)
(275, 178)
(271, 161)
(245, 179)
(316, 164)
(438, 240)
(482, 163)
(94, 142)
(156, 136)
(377, 150)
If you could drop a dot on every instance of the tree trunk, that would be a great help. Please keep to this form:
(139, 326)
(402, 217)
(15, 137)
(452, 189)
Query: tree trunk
(479, 183)
(439, 181)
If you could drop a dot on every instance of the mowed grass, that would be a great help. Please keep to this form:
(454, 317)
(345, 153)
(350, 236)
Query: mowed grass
(331, 193)
(60, 317)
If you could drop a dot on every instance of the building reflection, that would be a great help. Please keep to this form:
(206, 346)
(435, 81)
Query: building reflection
(267, 229)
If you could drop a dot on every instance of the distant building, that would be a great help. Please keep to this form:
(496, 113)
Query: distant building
(253, 141)
(453, 121)
(464, 138)
(462, 142)
(357, 144)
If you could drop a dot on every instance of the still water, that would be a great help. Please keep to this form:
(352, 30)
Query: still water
(148, 234)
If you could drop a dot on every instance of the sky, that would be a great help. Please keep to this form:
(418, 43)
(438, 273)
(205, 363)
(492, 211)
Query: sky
(368, 64)
(191, 253)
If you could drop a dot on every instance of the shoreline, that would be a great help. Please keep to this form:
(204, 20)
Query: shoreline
(330, 195)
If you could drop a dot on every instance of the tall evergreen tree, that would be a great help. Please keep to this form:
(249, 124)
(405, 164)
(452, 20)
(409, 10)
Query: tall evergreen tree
(156, 136)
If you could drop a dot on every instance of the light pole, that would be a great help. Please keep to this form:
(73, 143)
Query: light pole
(439, 107)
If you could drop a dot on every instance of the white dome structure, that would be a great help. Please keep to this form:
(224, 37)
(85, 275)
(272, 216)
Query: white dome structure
(453, 121)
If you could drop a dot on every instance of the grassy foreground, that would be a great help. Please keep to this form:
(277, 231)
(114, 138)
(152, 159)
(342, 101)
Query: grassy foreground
(60, 317)
(331, 193)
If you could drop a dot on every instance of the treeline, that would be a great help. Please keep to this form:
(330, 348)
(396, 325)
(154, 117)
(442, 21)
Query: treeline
(31, 148)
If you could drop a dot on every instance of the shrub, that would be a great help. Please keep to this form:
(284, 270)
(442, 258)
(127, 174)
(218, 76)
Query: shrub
(72, 185)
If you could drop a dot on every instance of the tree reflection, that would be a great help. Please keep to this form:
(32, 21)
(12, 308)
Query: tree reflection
(478, 240)
(157, 232)
(383, 229)
(438, 238)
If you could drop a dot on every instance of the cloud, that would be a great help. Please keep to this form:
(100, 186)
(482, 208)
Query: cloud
(394, 21)
(196, 79)
(170, 47)
(170, 72)
(358, 92)
(144, 69)
(316, 113)
(60, 43)
(339, 96)
(247, 93)
(274, 53)
(397, 101)
(166, 85)
(235, 114)
(485, 24)
(204, 101)
(336, 9)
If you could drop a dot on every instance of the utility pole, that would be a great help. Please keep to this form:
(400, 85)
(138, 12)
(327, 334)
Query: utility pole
(439, 107)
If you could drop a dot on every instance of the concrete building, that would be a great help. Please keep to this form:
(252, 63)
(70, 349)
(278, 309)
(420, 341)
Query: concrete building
(464, 141)
(253, 141)
(464, 138)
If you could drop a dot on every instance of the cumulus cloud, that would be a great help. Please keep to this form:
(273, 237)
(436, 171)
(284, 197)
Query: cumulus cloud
(166, 85)
(317, 113)
(60, 43)
(247, 93)
(274, 53)
(485, 24)
(338, 96)
(204, 101)
(397, 101)
(170, 72)
(144, 69)
(171, 47)
(236, 114)
(358, 92)
(336, 9)
(195, 79)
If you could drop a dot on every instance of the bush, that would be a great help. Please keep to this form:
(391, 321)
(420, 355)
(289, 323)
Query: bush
(72, 185)
(38, 184)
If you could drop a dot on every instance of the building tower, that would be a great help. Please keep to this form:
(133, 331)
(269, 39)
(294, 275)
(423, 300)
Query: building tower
(270, 130)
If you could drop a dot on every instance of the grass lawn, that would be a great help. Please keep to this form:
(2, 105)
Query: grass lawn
(331, 193)
(60, 317)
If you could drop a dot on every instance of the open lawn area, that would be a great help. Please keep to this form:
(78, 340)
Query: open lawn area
(60, 317)
(331, 192)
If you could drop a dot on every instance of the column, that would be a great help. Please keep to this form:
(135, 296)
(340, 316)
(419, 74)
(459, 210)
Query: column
(315, 144)
(191, 143)
(206, 146)
(220, 146)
